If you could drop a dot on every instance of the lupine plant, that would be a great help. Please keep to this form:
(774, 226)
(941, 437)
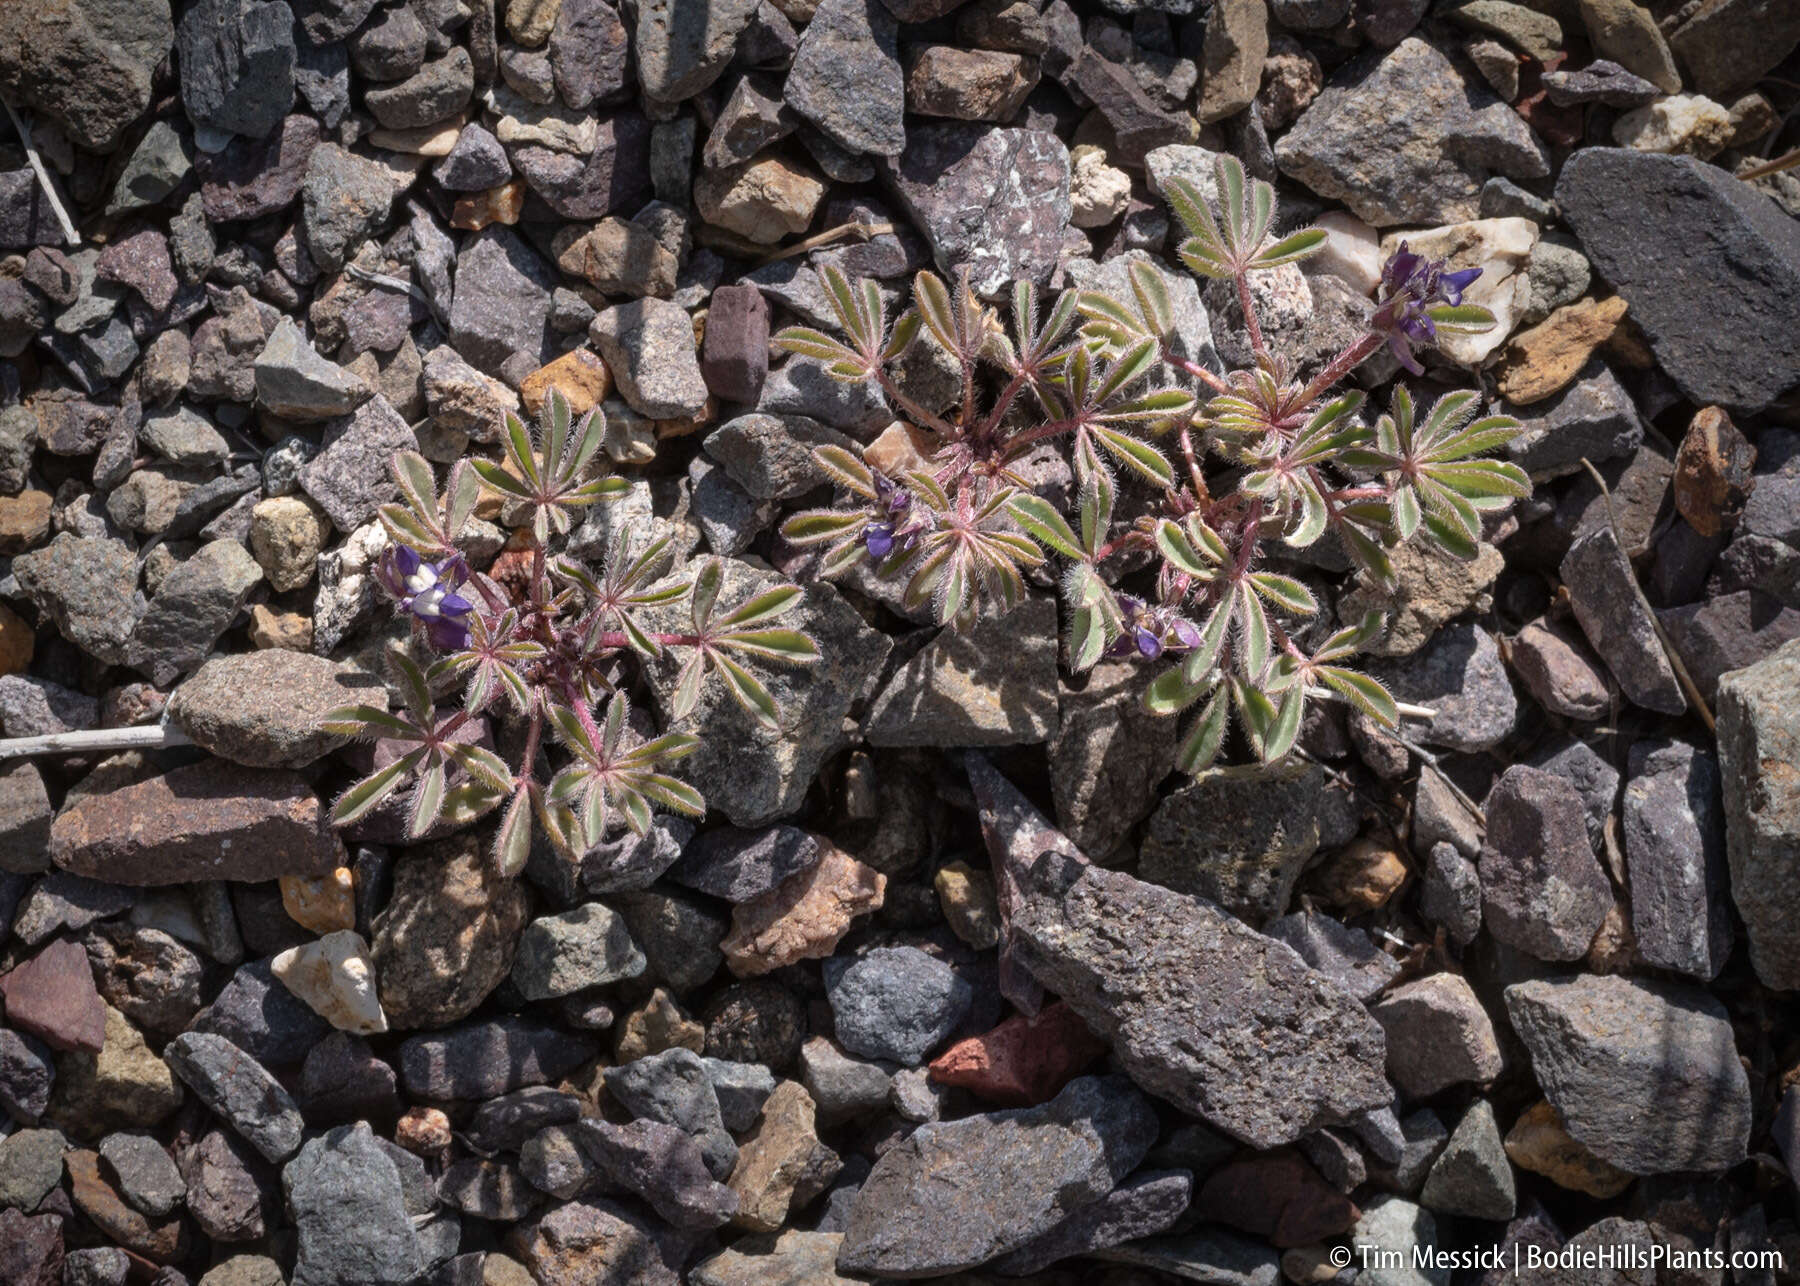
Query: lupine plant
(1258, 459)
(556, 654)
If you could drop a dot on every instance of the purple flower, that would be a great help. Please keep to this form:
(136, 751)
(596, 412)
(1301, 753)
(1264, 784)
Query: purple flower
(1151, 631)
(426, 592)
(1412, 285)
(883, 536)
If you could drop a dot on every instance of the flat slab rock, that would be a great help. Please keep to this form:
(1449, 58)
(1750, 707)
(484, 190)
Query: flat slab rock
(1201, 1009)
(955, 1194)
(204, 821)
(1645, 1074)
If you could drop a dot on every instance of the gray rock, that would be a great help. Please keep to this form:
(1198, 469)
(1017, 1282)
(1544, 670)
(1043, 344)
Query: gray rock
(771, 457)
(1645, 1074)
(1284, 1049)
(627, 862)
(296, 382)
(476, 163)
(86, 585)
(196, 602)
(1607, 604)
(1450, 893)
(97, 1266)
(64, 901)
(483, 1060)
(502, 300)
(1241, 836)
(1109, 757)
(956, 1194)
(262, 1018)
(738, 865)
(588, 53)
(342, 1081)
(1602, 82)
(742, 1089)
(599, 1242)
(25, 815)
(487, 1189)
(1349, 957)
(31, 1166)
(146, 975)
(27, 1071)
(433, 94)
(1438, 1035)
(1542, 888)
(350, 476)
(895, 1003)
(661, 1164)
(615, 176)
(748, 773)
(145, 1174)
(391, 48)
(1707, 316)
(846, 76)
(1146, 1204)
(1594, 779)
(1674, 834)
(238, 1089)
(1727, 632)
(648, 345)
(681, 49)
(282, 727)
(185, 437)
(250, 178)
(1594, 418)
(992, 685)
(842, 1087)
(1461, 676)
(350, 1216)
(1759, 737)
(587, 947)
(1422, 1137)
(1401, 138)
(1396, 1227)
(504, 1124)
(86, 66)
(237, 64)
(673, 1087)
(344, 200)
(993, 200)
(801, 387)
(1472, 1176)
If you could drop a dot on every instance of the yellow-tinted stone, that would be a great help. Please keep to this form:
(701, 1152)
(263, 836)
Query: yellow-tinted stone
(17, 642)
(1546, 359)
(322, 903)
(578, 374)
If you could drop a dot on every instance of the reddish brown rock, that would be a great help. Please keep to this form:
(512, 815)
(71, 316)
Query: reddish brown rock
(1023, 1061)
(1277, 1195)
(206, 821)
(1712, 472)
(734, 360)
(52, 996)
(161, 1242)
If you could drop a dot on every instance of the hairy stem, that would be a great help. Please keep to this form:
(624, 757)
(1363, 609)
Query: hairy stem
(1241, 279)
(1194, 368)
(1340, 366)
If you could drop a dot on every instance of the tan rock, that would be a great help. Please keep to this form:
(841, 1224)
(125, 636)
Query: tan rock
(795, 1258)
(287, 534)
(424, 140)
(967, 898)
(774, 1160)
(423, 1131)
(503, 204)
(322, 903)
(804, 916)
(24, 521)
(1098, 192)
(125, 1085)
(1364, 875)
(762, 200)
(1545, 360)
(447, 937)
(1434, 589)
(529, 21)
(579, 375)
(898, 449)
(1712, 472)
(617, 257)
(656, 1025)
(1681, 125)
(336, 979)
(272, 628)
(967, 84)
(1538, 1142)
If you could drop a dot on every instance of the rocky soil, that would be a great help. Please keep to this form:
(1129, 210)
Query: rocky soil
(956, 978)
